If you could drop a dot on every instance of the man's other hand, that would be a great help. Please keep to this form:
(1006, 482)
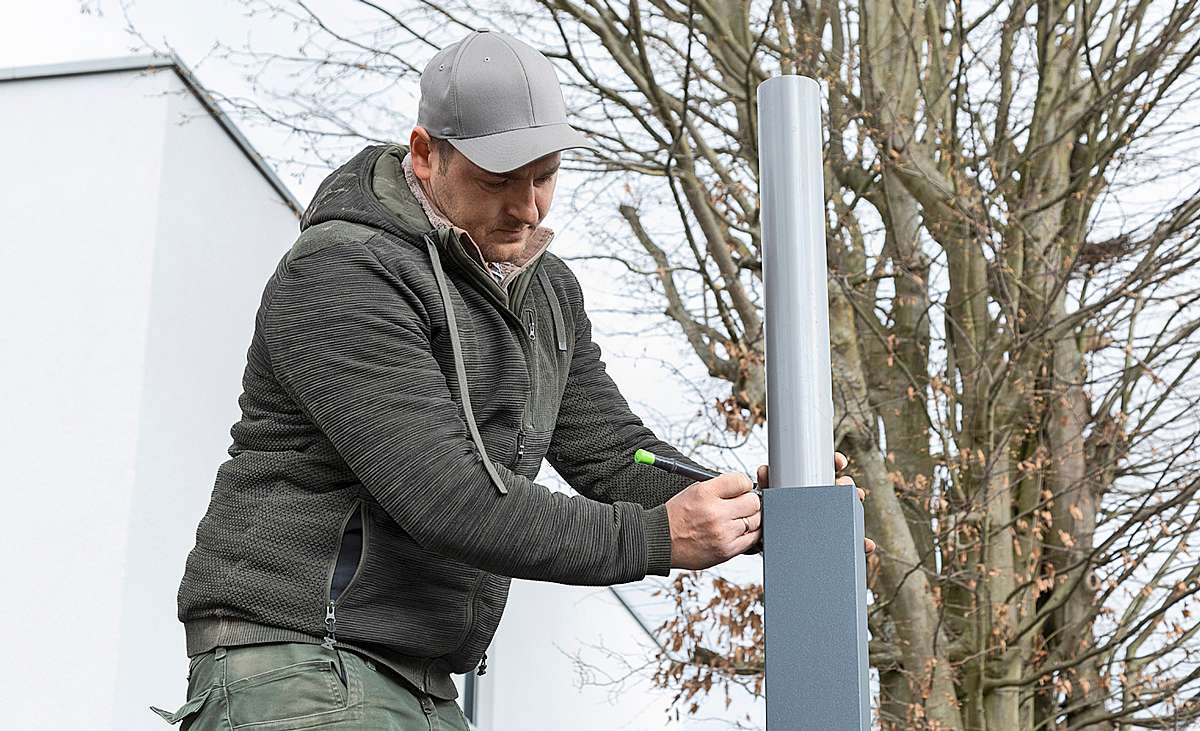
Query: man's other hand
(839, 464)
(713, 521)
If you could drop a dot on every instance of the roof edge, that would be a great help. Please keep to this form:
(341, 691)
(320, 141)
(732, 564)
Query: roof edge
(151, 62)
(637, 617)
(89, 66)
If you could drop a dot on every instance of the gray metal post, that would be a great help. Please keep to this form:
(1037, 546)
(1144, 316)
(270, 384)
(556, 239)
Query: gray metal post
(814, 567)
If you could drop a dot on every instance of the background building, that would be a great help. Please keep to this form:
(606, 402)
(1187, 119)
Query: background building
(139, 227)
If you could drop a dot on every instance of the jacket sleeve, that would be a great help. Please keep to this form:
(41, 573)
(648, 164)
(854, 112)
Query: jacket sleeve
(596, 433)
(350, 342)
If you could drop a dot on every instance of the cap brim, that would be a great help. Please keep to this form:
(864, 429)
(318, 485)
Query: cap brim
(506, 151)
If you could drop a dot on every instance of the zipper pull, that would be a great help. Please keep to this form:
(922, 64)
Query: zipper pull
(531, 324)
(330, 627)
(520, 445)
(482, 669)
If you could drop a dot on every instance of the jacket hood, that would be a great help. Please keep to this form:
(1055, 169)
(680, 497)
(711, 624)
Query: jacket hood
(348, 194)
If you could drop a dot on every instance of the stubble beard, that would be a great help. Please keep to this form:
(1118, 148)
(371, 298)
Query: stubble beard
(505, 252)
(495, 253)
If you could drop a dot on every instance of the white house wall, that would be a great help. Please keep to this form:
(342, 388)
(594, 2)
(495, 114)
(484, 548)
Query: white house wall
(79, 195)
(221, 231)
(570, 658)
(134, 252)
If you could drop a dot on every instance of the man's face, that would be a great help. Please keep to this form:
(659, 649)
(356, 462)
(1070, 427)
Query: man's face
(499, 210)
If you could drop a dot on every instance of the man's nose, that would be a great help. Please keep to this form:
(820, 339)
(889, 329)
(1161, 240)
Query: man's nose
(522, 205)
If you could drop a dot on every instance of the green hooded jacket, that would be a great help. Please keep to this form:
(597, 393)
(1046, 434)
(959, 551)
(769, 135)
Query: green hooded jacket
(372, 501)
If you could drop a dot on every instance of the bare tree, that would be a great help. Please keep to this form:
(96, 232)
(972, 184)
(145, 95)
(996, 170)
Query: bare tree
(1012, 226)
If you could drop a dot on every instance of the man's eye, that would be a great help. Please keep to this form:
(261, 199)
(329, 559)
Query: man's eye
(494, 184)
(544, 180)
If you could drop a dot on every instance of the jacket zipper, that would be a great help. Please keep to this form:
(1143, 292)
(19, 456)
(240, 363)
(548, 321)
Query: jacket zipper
(531, 325)
(531, 358)
(330, 625)
(331, 603)
(470, 618)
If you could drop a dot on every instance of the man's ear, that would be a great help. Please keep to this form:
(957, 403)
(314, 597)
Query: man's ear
(420, 146)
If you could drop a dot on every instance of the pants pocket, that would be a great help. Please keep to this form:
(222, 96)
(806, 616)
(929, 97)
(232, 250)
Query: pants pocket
(291, 686)
(185, 711)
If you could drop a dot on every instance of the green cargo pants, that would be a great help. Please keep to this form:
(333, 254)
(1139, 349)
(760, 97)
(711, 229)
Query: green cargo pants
(287, 686)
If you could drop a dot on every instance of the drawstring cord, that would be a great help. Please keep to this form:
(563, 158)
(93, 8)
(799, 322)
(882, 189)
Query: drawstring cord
(460, 368)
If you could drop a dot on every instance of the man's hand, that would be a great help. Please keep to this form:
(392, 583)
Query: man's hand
(713, 521)
(839, 464)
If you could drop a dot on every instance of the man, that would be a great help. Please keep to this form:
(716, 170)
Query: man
(416, 355)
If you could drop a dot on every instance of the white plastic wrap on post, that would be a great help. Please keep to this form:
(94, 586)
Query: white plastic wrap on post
(791, 187)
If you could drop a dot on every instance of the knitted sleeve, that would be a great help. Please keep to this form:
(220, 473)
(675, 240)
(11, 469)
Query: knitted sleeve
(596, 434)
(351, 344)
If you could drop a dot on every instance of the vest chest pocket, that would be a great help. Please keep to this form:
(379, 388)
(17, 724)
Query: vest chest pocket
(531, 450)
(548, 365)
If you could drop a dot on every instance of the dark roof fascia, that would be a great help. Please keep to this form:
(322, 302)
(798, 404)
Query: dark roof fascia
(151, 63)
(637, 617)
(84, 68)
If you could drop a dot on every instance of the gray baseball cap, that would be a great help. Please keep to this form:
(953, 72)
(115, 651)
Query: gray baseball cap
(497, 101)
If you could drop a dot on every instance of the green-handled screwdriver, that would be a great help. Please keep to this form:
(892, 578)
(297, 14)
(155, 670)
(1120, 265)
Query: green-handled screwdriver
(699, 474)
